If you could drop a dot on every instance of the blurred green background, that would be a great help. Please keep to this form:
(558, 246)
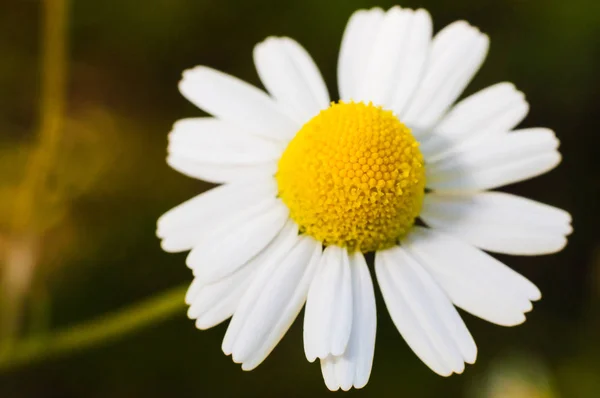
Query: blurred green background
(90, 244)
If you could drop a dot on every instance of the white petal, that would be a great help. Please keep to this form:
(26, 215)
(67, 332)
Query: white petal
(499, 222)
(423, 313)
(237, 102)
(356, 46)
(353, 367)
(213, 303)
(386, 52)
(328, 316)
(274, 253)
(270, 313)
(457, 52)
(503, 159)
(496, 109)
(212, 141)
(236, 240)
(328, 372)
(414, 54)
(192, 291)
(291, 77)
(396, 61)
(474, 280)
(192, 221)
(222, 172)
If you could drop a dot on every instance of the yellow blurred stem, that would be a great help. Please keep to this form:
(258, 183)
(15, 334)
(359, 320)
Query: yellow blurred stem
(52, 109)
(34, 185)
(103, 329)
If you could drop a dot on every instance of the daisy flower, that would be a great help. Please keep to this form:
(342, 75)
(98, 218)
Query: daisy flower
(310, 185)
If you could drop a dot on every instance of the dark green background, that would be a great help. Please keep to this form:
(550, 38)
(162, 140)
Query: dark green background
(126, 58)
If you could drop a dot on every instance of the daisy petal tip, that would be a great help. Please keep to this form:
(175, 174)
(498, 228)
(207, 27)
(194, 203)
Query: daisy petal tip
(226, 345)
(472, 359)
(519, 320)
(186, 76)
(360, 384)
(346, 387)
(423, 13)
(558, 158)
(444, 373)
(463, 25)
(337, 349)
(310, 356)
(247, 366)
(190, 260)
(226, 352)
(368, 11)
(236, 359)
(190, 314)
(190, 72)
(261, 46)
(177, 125)
(203, 324)
(569, 222)
(166, 245)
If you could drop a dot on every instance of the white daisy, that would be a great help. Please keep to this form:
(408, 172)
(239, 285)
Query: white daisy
(309, 186)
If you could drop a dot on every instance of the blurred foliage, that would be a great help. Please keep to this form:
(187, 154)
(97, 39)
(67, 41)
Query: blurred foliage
(97, 251)
(521, 375)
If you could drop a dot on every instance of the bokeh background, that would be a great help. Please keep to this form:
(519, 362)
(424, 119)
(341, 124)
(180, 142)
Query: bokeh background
(81, 243)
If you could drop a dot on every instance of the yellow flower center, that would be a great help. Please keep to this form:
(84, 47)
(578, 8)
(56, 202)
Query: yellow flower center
(354, 177)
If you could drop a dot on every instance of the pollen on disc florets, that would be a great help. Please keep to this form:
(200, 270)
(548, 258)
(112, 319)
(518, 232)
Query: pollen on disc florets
(354, 177)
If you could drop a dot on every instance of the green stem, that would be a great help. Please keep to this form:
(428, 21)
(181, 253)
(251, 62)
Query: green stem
(100, 330)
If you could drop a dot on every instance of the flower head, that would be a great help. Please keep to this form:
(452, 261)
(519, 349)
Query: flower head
(310, 185)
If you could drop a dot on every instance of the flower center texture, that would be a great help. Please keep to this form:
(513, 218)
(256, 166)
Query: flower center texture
(353, 177)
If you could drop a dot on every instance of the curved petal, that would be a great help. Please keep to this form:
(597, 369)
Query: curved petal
(503, 159)
(357, 42)
(474, 280)
(353, 367)
(291, 77)
(292, 309)
(211, 304)
(192, 221)
(457, 52)
(423, 314)
(328, 315)
(499, 222)
(273, 301)
(275, 252)
(236, 240)
(212, 141)
(237, 102)
(496, 109)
